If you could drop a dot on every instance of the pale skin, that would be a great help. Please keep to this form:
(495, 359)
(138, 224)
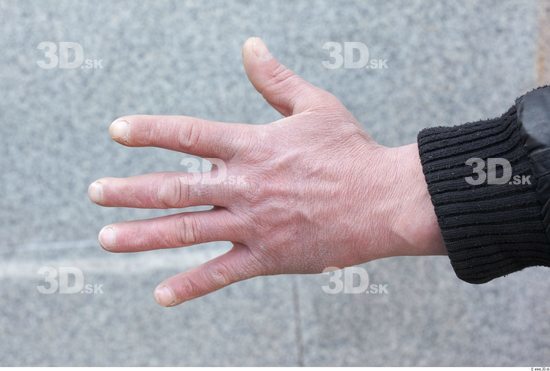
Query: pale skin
(314, 190)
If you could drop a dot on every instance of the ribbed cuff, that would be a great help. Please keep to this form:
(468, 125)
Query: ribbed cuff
(490, 230)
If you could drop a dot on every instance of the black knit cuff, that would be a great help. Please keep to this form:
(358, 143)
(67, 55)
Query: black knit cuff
(489, 229)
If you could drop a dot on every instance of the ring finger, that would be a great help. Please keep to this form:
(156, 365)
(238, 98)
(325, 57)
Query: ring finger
(177, 230)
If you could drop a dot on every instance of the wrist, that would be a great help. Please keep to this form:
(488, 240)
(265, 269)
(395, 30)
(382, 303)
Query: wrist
(415, 223)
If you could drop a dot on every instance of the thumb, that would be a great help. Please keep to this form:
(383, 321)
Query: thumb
(283, 89)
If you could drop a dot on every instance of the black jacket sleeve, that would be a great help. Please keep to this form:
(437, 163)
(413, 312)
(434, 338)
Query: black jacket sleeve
(489, 183)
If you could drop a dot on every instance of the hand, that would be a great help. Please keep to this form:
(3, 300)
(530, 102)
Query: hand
(301, 194)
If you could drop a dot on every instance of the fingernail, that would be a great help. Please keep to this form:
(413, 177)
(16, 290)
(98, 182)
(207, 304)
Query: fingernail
(95, 192)
(165, 296)
(260, 49)
(120, 130)
(107, 237)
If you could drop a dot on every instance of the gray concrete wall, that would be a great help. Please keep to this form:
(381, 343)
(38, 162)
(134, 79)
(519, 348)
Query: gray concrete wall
(448, 63)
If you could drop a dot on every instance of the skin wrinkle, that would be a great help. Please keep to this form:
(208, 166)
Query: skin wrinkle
(318, 192)
(166, 195)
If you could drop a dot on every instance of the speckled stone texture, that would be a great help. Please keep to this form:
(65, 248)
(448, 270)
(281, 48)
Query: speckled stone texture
(448, 63)
(543, 58)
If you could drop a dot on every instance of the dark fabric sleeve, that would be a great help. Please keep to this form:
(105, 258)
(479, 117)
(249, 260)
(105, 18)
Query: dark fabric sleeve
(490, 230)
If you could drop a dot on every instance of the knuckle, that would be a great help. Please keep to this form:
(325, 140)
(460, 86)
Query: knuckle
(187, 230)
(221, 275)
(143, 132)
(281, 76)
(189, 137)
(186, 288)
(260, 144)
(174, 192)
(253, 190)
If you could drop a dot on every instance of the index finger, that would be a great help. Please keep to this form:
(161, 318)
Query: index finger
(184, 134)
